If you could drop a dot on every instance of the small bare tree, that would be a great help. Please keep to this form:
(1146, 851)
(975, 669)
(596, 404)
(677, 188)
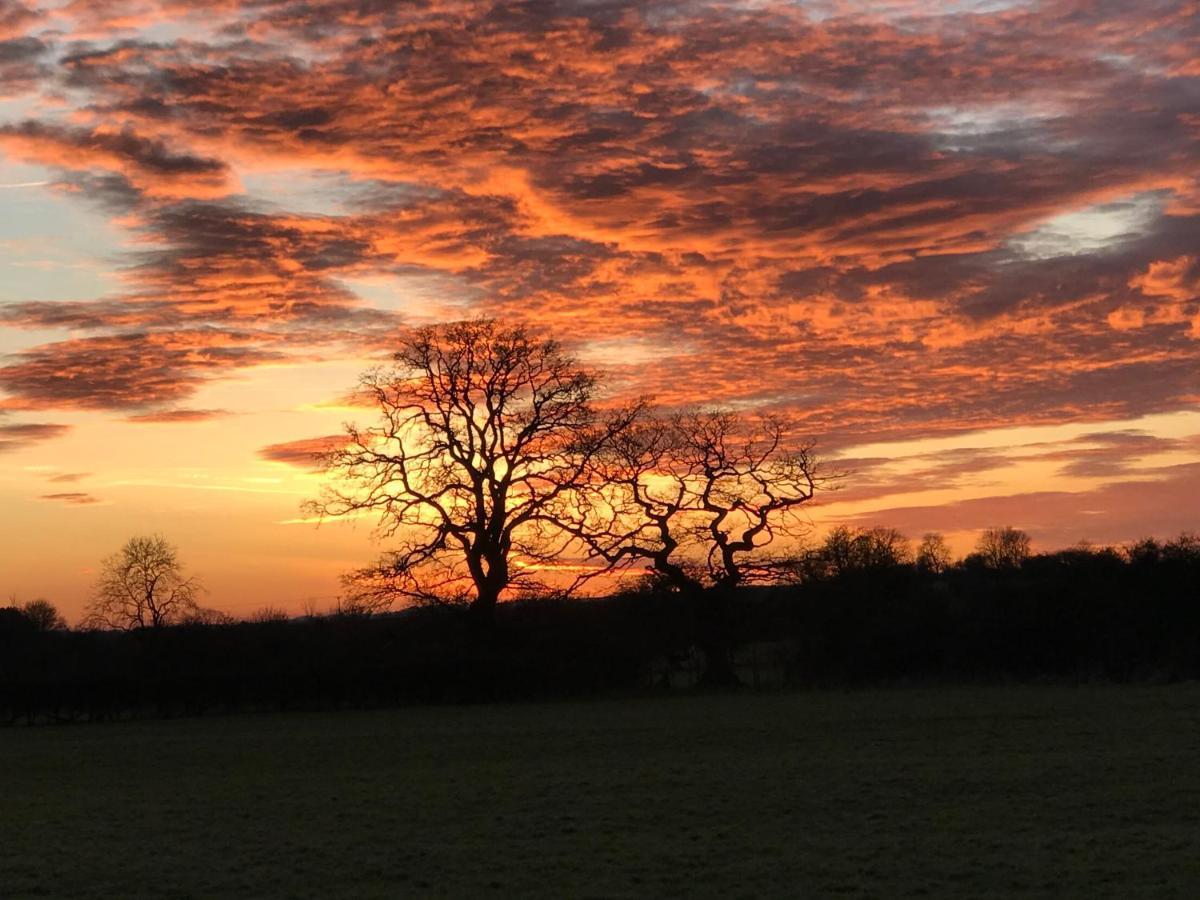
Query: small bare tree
(265, 615)
(143, 586)
(1003, 548)
(483, 432)
(933, 556)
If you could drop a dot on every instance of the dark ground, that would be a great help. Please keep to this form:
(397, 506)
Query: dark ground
(971, 792)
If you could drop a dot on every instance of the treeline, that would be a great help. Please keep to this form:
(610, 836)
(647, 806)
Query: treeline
(1079, 614)
(862, 609)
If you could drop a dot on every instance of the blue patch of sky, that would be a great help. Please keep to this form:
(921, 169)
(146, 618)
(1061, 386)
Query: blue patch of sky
(52, 247)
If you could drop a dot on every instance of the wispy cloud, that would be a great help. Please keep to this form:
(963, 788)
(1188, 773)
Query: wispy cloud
(73, 498)
(176, 416)
(17, 436)
(68, 477)
(304, 453)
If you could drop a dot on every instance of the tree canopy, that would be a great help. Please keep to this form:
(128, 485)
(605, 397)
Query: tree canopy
(143, 585)
(483, 430)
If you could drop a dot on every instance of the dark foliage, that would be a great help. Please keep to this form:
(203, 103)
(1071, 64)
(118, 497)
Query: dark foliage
(427, 655)
(1074, 615)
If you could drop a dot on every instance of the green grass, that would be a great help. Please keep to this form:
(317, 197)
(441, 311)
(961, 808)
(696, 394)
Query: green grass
(1047, 792)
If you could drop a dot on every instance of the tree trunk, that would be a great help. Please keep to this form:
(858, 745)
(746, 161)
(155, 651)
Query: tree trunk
(483, 610)
(714, 627)
(489, 582)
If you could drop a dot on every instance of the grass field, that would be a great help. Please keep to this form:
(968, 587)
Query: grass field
(1027, 791)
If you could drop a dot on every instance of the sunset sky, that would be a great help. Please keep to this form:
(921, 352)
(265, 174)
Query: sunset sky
(963, 248)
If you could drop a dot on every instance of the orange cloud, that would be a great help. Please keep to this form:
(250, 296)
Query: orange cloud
(126, 371)
(147, 163)
(851, 216)
(173, 416)
(304, 453)
(17, 436)
(73, 498)
(15, 18)
(1175, 280)
(1178, 279)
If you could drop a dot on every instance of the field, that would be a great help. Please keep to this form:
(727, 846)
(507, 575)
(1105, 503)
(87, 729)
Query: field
(1032, 791)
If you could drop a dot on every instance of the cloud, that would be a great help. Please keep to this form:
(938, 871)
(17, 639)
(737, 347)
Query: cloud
(126, 371)
(169, 416)
(1173, 289)
(19, 436)
(68, 477)
(1161, 502)
(1002, 478)
(90, 315)
(1178, 279)
(1111, 454)
(23, 56)
(146, 163)
(15, 17)
(303, 453)
(22, 64)
(869, 479)
(893, 223)
(73, 498)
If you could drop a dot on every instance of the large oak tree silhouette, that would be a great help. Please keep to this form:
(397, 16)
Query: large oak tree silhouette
(483, 433)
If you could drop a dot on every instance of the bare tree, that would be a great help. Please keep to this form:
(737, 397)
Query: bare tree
(635, 504)
(483, 432)
(933, 556)
(1003, 548)
(269, 614)
(698, 498)
(847, 550)
(750, 488)
(143, 586)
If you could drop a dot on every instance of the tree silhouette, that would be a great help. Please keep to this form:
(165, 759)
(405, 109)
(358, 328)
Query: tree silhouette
(484, 431)
(933, 555)
(143, 586)
(43, 615)
(698, 497)
(1150, 551)
(847, 550)
(1003, 548)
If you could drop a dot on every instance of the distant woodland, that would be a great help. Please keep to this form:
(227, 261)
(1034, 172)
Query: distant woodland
(861, 611)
